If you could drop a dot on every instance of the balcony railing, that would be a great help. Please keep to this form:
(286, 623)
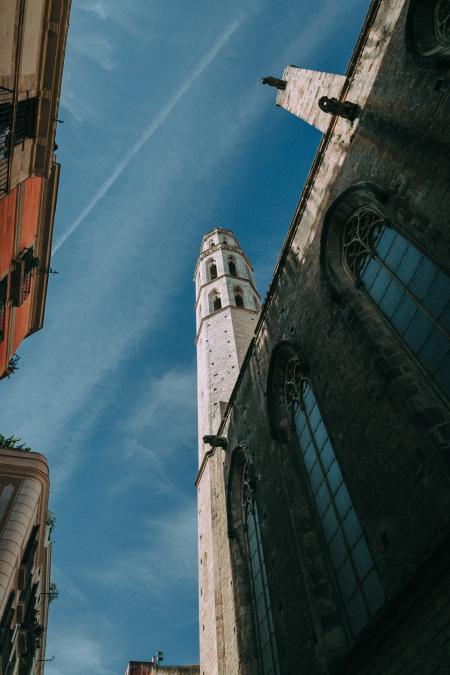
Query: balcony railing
(6, 123)
(3, 289)
(17, 122)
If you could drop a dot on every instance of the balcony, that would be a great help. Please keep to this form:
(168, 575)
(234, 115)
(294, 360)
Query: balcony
(17, 122)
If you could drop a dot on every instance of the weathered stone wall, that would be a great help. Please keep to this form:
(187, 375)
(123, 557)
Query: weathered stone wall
(388, 425)
(303, 89)
(222, 342)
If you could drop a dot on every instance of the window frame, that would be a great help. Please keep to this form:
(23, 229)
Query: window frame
(345, 288)
(213, 297)
(416, 29)
(371, 252)
(248, 633)
(249, 509)
(3, 305)
(232, 263)
(238, 292)
(372, 616)
(212, 264)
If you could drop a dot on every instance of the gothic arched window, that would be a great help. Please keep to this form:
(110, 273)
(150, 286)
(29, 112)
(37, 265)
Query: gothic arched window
(428, 32)
(232, 267)
(266, 631)
(411, 291)
(212, 269)
(238, 297)
(357, 579)
(215, 302)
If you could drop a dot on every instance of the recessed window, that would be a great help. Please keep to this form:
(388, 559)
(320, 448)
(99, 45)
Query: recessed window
(25, 124)
(232, 267)
(267, 641)
(21, 276)
(428, 32)
(212, 270)
(215, 301)
(356, 576)
(411, 291)
(3, 288)
(238, 297)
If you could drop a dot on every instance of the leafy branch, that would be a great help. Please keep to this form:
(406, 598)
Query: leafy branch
(13, 443)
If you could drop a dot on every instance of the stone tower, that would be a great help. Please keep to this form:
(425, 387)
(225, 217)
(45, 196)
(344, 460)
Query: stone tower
(227, 310)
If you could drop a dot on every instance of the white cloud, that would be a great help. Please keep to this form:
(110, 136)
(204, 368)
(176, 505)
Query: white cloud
(162, 423)
(79, 651)
(95, 47)
(97, 7)
(169, 403)
(150, 129)
(66, 586)
(164, 560)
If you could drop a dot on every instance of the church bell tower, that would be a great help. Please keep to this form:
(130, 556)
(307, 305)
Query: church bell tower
(227, 311)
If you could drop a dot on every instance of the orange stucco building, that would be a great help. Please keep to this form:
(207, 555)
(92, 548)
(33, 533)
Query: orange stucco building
(33, 36)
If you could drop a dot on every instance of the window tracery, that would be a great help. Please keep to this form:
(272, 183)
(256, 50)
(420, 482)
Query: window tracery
(266, 630)
(410, 290)
(442, 21)
(428, 32)
(356, 577)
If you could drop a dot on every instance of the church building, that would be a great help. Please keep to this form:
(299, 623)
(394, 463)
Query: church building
(324, 429)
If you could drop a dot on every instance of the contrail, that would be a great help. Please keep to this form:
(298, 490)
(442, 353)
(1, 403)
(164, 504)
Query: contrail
(148, 132)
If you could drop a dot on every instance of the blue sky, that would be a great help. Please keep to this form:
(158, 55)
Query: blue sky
(167, 133)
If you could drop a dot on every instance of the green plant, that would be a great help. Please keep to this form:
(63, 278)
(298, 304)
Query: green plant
(53, 593)
(51, 520)
(13, 443)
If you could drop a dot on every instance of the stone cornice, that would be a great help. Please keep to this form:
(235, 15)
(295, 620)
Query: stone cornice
(221, 247)
(220, 276)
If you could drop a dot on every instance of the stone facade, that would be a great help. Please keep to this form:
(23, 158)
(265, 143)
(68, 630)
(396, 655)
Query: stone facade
(386, 417)
(25, 558)
(223, 275)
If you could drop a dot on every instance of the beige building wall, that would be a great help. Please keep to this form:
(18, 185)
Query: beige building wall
(223, 337)
(32, 46)
(303, 90)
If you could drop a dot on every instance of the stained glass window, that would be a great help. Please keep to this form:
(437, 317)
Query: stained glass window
(356, 576)
(412, 292)
(268, 649)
